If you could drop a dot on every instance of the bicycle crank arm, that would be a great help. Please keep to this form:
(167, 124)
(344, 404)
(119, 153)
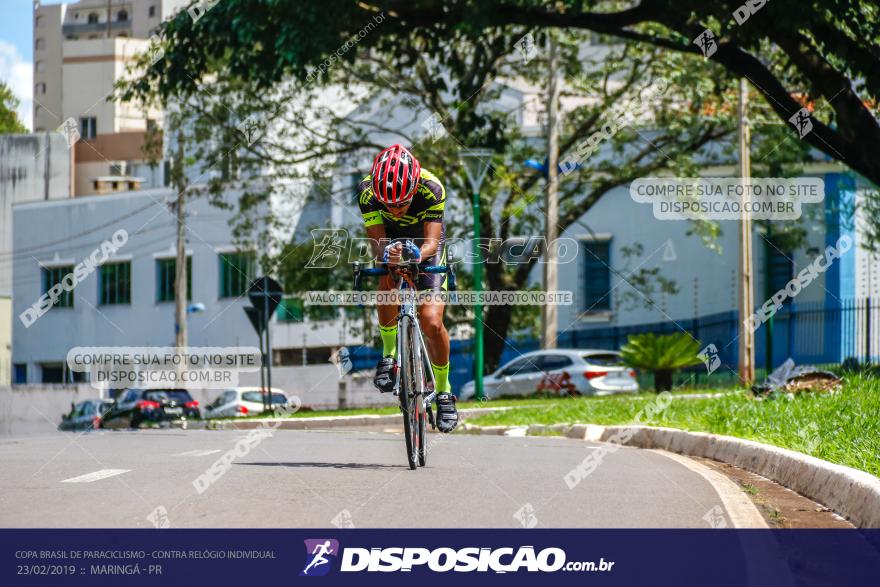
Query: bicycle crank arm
(429, 399)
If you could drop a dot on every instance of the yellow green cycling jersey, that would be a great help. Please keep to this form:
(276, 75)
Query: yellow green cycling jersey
(427, 205)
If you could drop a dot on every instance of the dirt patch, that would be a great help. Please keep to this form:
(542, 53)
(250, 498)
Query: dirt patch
(780, 507)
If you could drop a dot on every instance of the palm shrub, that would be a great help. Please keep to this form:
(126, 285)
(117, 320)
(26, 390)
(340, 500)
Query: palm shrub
(661, 355)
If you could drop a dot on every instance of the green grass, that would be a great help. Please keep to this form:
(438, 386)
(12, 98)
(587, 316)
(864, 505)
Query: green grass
(512, 402)
(842, 428)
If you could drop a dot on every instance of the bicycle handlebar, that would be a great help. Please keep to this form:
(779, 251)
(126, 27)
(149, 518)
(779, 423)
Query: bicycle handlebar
(384, 270)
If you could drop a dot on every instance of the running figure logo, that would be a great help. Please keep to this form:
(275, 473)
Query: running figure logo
(320, 552)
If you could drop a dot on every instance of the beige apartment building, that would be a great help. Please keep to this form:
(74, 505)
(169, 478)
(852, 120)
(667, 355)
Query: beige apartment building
(80, 51)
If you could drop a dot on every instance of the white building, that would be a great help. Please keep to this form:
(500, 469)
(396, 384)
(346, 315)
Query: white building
(80, 51)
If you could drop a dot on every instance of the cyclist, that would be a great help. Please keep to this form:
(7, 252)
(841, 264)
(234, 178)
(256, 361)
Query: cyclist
(401, 201)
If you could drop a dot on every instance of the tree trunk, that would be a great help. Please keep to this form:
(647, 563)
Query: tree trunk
(662, 380)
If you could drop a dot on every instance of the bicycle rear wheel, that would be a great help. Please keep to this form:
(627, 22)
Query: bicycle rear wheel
(409, 398)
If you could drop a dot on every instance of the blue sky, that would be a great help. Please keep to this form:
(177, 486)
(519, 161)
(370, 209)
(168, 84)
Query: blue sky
(17, 52)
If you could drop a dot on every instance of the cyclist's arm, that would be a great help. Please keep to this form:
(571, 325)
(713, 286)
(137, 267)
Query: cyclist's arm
(433, 217)
(376, 234)
(433, 232)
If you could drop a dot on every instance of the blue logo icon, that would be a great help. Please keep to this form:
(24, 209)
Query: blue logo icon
(320, 553)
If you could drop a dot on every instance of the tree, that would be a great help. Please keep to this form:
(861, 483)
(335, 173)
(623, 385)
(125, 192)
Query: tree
(451, 85)
(823, 54)
(9, 121)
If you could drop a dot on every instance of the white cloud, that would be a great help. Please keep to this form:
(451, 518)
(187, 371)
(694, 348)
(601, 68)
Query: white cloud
(19, 76)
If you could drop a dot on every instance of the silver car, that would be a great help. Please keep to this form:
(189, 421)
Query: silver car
(243, 401)
(559, 371)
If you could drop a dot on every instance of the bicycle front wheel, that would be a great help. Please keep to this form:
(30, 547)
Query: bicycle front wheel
(407, 394)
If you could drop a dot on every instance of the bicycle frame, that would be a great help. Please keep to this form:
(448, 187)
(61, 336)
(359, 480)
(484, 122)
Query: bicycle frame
(411, 342)
(408, 308)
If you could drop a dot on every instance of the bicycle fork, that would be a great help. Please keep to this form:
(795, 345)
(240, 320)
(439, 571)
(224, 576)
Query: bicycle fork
(427, 400)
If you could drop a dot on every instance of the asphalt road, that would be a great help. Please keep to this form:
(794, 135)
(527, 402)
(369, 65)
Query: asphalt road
(339, 478)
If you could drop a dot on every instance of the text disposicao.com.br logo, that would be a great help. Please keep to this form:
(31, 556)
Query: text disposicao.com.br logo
(321, 554)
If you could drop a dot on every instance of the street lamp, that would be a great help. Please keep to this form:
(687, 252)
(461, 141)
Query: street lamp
(476, 163)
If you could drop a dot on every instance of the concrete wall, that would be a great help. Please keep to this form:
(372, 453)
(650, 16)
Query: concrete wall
(33, 167)
(318, 387)
(37, 409)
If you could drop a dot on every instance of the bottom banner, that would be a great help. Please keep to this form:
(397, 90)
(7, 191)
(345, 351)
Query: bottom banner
(166, 557)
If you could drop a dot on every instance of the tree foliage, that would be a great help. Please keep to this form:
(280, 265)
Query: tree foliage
(440, 85)
(821, 53)
(9, 121)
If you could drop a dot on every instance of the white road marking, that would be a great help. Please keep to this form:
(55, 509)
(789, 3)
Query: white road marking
(96, 476)
(196, 453)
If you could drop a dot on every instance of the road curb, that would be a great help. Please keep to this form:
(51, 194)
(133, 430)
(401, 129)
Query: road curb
(325, 422)
(849, 492)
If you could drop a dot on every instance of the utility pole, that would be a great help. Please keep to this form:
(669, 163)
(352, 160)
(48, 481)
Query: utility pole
(109, 10)
(768, 328)
(746, 299)
(179, 182)
(551, 227)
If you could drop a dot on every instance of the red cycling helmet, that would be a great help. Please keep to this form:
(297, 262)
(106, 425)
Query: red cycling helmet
(395, 175)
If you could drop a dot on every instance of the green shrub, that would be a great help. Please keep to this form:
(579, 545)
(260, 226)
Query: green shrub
(661, 355)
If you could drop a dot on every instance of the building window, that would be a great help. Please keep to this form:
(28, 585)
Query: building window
(152, 11)
(781, 267)
(38, 21)
(54, 275)
(19, 373)
(122, 16)
(40, 88)
(93, 17)
(290, 310)
(40, 44)
(88, 127)
(52, 372)
(597, 277)
(165, 279)
(236, 273)
(39, 66)
(115, 284)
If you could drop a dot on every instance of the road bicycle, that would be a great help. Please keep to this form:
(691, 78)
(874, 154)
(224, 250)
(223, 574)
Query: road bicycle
(415, 385)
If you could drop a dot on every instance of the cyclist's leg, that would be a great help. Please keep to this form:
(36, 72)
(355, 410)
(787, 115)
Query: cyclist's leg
(437, 341)
(386, 368)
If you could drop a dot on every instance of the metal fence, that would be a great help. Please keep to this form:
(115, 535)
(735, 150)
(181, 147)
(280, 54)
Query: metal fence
(816, 333)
